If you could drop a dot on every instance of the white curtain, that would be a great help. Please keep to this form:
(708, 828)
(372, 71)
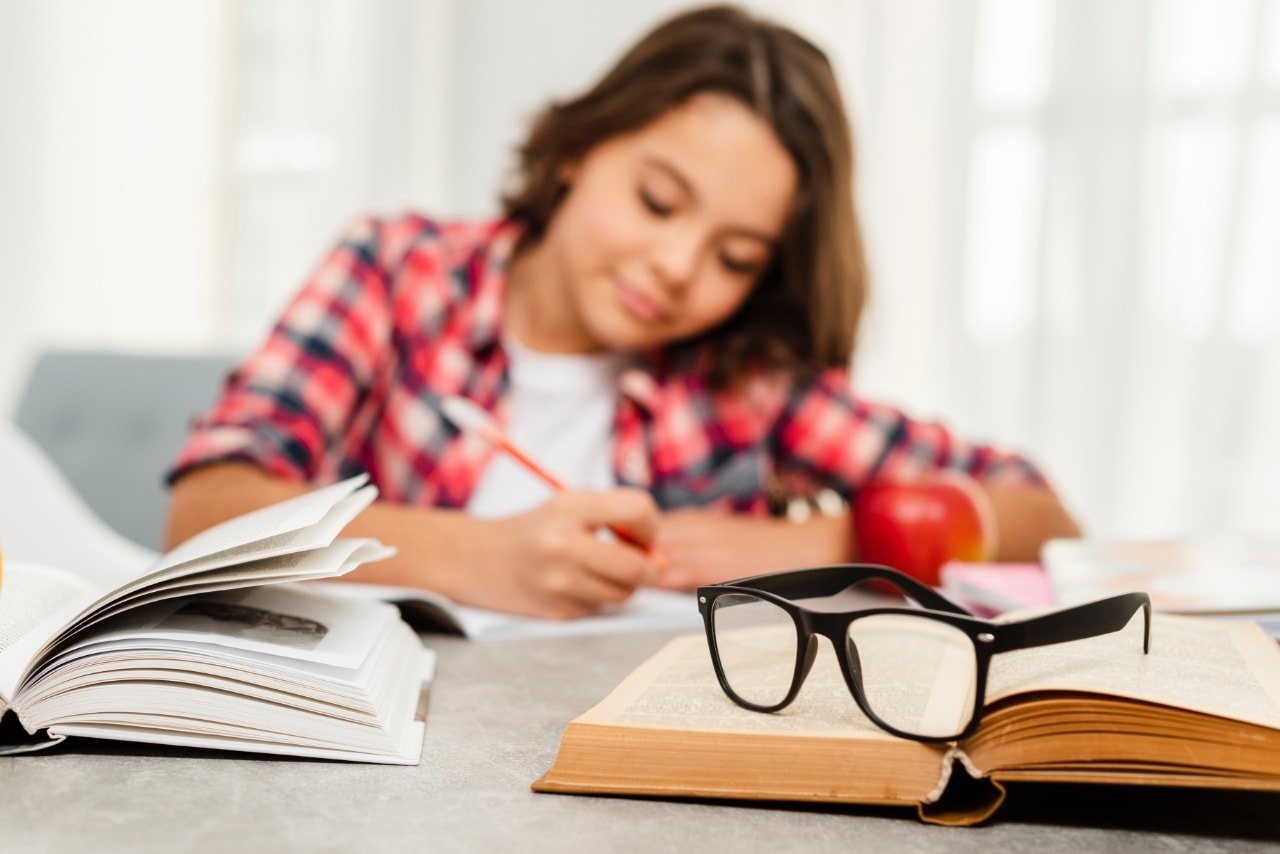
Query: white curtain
(1084, 262)
(1071, 206)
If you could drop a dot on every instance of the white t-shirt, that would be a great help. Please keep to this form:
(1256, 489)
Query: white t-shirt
(560, 412)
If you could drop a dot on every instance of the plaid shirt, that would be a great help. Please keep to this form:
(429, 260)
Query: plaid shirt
(402, 313)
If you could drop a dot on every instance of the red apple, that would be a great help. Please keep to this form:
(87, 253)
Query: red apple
(916, 525)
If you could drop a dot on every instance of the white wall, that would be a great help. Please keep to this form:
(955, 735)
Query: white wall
(110, 224)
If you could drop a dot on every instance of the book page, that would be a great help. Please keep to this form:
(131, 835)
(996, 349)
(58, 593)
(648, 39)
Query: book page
(409, 751)
(36, 601)
(291, 652)
(368, 711)
(286, 621)
(646, 610)
(333, 560)
(275, 529)
(277, 546)
(1229, 669)
(42, 604)
(395, 738)
(339, 558)
(677, 689)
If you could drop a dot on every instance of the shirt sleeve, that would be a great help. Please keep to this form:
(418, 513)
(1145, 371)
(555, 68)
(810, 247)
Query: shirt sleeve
(843, 441)
(291, 403)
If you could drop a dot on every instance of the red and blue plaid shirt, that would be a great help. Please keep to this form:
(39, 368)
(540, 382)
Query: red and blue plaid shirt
(402, 313)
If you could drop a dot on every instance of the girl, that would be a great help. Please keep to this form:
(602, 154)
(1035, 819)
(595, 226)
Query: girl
(664, 315)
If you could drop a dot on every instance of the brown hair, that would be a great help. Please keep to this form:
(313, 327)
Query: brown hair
(803, 313)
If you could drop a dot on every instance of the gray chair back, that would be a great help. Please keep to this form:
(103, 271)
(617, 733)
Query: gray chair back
(112, 422)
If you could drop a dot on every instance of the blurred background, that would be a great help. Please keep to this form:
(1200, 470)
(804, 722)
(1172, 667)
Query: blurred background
(1072, 207)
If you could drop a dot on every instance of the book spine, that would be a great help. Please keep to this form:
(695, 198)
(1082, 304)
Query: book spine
(964, 795)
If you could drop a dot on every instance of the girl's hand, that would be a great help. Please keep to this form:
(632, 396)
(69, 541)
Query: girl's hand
(706, 546)
(550, 562)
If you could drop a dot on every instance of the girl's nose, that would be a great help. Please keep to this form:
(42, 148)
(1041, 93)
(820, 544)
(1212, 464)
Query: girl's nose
(677, 256)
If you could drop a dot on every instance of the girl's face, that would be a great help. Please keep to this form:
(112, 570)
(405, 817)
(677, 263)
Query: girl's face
(663, 231)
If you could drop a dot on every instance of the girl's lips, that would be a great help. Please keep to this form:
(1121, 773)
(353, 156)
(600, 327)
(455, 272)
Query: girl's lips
(638, 304)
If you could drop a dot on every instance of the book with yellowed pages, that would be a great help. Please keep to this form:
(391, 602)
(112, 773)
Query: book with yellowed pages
(211, 645)
(1201, 710)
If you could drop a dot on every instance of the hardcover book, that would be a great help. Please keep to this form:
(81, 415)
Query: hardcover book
(1202, 709)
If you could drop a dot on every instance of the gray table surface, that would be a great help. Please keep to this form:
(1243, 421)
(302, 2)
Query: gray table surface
(495, 718)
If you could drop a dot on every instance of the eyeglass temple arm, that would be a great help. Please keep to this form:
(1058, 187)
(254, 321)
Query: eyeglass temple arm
(1084, 621)
(830, 580)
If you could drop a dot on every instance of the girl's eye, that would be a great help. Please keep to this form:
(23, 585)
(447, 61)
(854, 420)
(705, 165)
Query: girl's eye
(655, 207)
(735, 265)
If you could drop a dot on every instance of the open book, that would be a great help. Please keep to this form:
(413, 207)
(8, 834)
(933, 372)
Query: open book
(196, 651)
(1202, 709)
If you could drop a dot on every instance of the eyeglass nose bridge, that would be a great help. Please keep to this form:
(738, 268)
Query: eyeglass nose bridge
(835, 628)
(811, 629)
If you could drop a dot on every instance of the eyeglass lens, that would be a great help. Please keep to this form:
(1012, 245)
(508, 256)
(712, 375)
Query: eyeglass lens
(918, 675)
(756, 641)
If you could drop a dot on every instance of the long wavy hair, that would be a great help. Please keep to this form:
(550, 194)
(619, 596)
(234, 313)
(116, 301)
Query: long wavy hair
(803, 313)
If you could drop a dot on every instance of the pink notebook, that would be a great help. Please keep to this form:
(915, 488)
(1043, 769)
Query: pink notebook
(993, 588)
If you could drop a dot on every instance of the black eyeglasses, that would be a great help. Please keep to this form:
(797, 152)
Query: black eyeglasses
(919, 673)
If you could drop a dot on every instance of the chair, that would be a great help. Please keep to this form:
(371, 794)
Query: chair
(113, 422)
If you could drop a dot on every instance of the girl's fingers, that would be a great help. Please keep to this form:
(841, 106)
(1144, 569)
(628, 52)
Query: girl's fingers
(576, 591)
(618, 564)
(633, 510)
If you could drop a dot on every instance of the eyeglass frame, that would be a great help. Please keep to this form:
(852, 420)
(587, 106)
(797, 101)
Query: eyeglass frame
(988, 637)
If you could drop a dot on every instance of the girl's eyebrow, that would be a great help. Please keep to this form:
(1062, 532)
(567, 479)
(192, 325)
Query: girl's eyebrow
(679, 177)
